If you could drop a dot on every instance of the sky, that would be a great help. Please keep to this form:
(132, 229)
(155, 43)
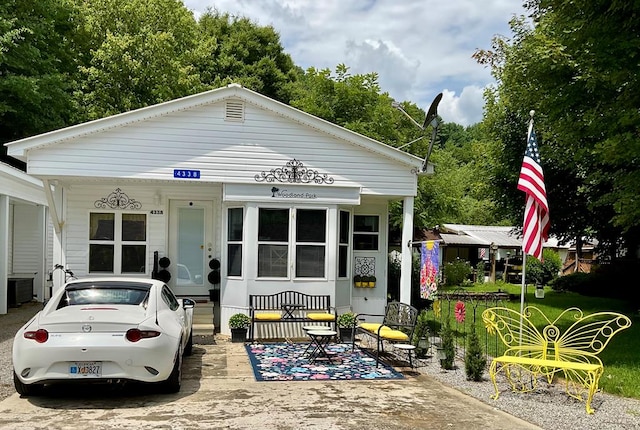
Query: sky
(419, 48)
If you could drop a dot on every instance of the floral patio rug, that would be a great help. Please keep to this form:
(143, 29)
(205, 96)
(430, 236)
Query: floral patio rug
(288, 362)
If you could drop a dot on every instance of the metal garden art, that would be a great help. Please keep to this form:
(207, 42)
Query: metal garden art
(566, 347)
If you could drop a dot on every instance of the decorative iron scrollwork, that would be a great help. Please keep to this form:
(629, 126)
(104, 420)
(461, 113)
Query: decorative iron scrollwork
(117, 200)
(294, 172)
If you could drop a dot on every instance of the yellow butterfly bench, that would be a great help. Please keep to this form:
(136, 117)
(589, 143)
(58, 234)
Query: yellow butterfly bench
(290, 307)
(540, 348)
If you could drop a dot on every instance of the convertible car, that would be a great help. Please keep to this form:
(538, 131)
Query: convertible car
(105, 330)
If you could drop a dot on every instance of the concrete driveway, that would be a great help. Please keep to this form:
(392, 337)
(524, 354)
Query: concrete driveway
(220, 392)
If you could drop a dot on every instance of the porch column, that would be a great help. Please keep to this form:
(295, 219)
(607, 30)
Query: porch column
(4, 251)
(407, 238)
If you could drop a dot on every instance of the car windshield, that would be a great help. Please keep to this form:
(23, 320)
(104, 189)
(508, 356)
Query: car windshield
(105, 294)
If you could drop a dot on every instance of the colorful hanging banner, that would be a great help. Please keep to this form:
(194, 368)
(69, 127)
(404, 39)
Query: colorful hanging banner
(429, 270)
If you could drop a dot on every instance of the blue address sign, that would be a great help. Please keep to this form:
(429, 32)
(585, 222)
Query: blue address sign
(186, 174)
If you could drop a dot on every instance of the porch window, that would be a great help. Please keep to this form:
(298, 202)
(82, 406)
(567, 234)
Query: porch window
(235, 224)
(366, 232)
(117, 243)
(300, 244)
(343, 244)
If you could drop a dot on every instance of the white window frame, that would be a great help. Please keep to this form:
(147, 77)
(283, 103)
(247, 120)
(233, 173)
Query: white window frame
(347, 245)
(235, 242)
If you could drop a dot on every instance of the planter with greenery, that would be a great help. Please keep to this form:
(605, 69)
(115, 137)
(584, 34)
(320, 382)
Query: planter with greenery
(346, 322)
(239, 323)
(357, 281)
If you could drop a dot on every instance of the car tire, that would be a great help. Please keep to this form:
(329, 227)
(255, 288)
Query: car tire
(188, 349)
(173, 382)
(26, 390)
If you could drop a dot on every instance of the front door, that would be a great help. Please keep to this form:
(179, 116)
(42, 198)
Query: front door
(190, 246)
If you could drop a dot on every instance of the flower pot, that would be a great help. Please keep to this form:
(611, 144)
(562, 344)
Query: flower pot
(238, 335)
(358, 284)
(346, 334)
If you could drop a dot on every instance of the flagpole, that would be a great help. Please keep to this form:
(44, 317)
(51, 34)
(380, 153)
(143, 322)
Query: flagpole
(523, 286)
(524, 254)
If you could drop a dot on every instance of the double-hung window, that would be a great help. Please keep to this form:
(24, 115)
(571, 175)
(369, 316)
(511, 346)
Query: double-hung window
(366, 232)
(117, 242)
(235, 223)
(292, 238)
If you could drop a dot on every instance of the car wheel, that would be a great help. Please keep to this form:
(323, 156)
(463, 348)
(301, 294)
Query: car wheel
(172, 384)
(26, 390)
(188, 349)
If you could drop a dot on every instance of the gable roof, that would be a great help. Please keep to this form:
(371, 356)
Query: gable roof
(18, 149)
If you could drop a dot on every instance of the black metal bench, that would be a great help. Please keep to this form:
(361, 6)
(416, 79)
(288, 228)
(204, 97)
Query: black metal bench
(290, 307)
(397, 326)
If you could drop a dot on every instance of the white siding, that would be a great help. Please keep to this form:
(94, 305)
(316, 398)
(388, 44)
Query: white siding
(224, 151)
(27, 240)
(81, 199)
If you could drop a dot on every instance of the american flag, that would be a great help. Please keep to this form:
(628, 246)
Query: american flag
(536, 214)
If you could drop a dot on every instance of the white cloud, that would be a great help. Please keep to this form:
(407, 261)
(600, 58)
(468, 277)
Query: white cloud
(465, 109)
(418, 48)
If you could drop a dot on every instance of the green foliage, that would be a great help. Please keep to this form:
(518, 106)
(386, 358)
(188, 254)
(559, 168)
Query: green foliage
(474, 360)
(456, 272)
(543, 272)
(480, 272)
(37, 60)
(239, 321)
(564, 64)
(571, 282)
(448, 346)
(346, 320)
(421, 330)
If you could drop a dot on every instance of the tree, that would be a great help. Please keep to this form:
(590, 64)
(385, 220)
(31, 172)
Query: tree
(577, 68)
(234, 49)
(36, 64)
(140, 55)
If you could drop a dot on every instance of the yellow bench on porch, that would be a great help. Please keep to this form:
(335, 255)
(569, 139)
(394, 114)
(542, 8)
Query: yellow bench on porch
(290, 307)
(533, 353)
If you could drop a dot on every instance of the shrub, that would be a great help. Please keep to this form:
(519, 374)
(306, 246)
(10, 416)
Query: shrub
(474, 360)
(421, 330)
(545, 272)
(456, 272)
(480, 272)
(448, 347)
(346, 320)
(572, 282)
(239, 321)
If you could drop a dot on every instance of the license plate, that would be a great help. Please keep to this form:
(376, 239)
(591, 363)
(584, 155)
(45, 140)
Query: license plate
(85, 369)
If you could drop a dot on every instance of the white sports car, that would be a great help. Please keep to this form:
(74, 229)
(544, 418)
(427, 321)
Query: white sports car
(105, 330)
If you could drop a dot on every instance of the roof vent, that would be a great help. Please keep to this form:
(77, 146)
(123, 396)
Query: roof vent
(234, 111)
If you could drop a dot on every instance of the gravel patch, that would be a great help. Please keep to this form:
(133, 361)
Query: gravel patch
(548, 407)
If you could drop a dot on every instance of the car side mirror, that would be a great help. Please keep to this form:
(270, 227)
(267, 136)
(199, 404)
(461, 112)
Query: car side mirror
(188, 303)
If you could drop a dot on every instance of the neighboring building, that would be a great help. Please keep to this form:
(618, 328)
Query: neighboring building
(228, 191)
(25, 251)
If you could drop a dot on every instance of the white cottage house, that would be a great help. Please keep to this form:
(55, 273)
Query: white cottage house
(228, 191)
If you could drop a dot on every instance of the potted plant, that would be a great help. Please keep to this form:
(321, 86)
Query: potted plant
(239, 323)
(357, 281)
(372, 281)
(346, 323)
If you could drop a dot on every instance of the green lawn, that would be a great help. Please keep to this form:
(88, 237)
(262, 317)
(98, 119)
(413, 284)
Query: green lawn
(620, 357)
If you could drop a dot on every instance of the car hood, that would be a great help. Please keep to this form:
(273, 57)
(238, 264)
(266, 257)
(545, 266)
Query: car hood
(100, 317)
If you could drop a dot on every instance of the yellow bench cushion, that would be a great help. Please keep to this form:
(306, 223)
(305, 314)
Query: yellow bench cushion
(385, 332)
(267, 316)
(321, 316)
